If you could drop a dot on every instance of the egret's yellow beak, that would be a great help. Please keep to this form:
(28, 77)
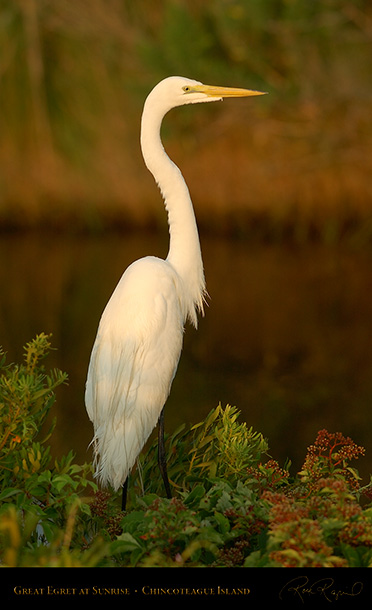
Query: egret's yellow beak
(221, 92)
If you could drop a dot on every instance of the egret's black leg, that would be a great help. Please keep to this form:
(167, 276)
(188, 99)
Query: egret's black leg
(161, 455)
(124, 495)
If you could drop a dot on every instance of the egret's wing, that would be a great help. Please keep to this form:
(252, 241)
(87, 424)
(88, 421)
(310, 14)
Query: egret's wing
(133, 363)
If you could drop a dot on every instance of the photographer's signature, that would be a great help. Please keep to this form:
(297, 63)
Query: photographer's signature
(303, 589)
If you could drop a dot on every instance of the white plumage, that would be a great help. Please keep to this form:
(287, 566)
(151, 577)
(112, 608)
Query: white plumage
(139, 340)
(133, 363)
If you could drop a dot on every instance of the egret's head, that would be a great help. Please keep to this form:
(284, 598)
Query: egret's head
(177, 91)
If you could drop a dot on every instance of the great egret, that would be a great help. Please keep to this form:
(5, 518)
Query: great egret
(139, 340)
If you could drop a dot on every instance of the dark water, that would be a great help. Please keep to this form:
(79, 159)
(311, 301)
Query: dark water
(287, 336)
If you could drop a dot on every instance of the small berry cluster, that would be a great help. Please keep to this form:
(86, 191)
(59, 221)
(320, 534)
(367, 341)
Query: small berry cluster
(268, 475)
(99, 507)
(330, 456)
(234, 555)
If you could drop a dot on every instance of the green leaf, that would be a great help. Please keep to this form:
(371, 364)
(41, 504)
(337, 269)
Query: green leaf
(124, 543)
(8, 493)
(194, 496)
(223, 522)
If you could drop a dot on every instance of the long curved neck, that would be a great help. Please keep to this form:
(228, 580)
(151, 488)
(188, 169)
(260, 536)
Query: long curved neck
(184, 248)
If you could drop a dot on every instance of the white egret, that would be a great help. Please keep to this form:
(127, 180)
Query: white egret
(139, 339)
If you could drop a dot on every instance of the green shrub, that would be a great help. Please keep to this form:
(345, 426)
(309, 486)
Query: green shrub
(42, 508)
(232, 506)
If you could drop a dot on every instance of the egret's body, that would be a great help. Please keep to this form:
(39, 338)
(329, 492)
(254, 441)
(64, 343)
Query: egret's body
(139, 340)
(133, 363)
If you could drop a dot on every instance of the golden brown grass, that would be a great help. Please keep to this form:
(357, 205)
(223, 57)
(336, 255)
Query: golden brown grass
(74, 77)
(244, 166)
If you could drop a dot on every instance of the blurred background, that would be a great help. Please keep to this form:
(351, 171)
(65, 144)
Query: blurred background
(281, 187)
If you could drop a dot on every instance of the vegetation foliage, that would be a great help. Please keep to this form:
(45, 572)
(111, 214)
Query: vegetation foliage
(74, 76)
(232, 505)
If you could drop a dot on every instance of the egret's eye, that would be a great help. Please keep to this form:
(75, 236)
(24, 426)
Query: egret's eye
(186, 89)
